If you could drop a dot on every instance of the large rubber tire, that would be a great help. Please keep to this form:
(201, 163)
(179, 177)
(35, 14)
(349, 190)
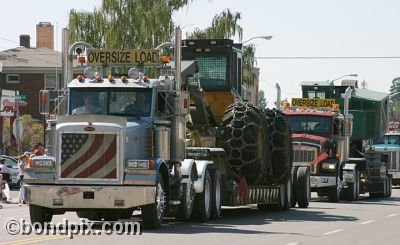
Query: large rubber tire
(216, 199)
(289, 196)
(202, 201)
(279, 134)
(303, 191)
(390, 186)
(40, 215)
(294, 187)
(185, 209)
(243, 137)
(353, 191)
(335, 192)
(152, 214)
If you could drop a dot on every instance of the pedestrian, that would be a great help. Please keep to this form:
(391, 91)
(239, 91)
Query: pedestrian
(39, 150)
(1, 190)
(5, 171)
(22, 165)
(5, 179)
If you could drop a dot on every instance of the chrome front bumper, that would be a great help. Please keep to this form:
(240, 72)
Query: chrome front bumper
(78, 197)
(322, 181)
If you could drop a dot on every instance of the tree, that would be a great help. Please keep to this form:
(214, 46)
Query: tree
(225, 26)
(125, 23)
(395, 99)
(262, 101)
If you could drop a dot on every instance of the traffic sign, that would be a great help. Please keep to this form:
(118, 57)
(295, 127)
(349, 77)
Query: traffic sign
(21, 97)
(123, 56)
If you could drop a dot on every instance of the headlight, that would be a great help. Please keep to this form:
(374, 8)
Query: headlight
(327, 165)
(43, 163)
(138, 164)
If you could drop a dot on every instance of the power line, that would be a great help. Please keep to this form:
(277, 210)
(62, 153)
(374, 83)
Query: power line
(324, 57)
(5, 39)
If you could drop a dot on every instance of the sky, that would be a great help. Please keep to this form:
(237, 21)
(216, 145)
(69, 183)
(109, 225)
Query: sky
(316, 29)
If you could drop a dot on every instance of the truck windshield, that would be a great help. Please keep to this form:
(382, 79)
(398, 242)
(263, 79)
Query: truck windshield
(111, 102)
(388, 139)
(311, 124)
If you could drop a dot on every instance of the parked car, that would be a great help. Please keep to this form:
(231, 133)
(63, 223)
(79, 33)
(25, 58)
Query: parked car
(12, 164)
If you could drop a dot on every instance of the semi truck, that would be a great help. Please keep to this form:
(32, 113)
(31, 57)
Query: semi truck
(185, 152)
(390, 143)
(332, 128)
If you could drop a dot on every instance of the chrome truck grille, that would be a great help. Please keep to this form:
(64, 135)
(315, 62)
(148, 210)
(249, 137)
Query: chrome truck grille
(89, 156)
(304, 153)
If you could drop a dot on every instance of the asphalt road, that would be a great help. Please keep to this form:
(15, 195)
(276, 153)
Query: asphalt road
(368, 221)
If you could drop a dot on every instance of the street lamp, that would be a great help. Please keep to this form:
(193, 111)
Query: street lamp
(348, 75)
(262, 37)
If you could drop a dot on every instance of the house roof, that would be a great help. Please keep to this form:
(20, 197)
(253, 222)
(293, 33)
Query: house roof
(30, 60)
(319, 83)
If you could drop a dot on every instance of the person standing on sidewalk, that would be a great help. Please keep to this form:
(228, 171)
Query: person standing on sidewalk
(22, 165)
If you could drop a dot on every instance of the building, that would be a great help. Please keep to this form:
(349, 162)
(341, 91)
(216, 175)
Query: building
(30, 69)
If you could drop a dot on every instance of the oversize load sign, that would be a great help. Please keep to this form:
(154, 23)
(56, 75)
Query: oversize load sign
(123, 56)
(312, 102)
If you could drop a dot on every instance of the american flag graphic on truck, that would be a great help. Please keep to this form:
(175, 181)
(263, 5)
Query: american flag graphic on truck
(91, 156)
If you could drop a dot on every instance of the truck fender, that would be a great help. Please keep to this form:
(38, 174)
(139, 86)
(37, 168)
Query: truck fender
(201, 170)
(162, 168)
(189, 171)
(349, 171)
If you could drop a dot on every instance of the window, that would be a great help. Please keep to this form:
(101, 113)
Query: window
(12, 78)
(50, 81)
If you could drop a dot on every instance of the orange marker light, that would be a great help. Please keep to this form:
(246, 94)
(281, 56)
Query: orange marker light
(151, 164)
(82, 59)
(165, 59)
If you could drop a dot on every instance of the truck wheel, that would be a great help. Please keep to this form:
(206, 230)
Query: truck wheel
(185, 209)
(152, 214)
(40, 215)
(288, 195)
(353, 190)
(202, 201)
(303, 192)
(216, 201)
(334, 193)
(390, 185)
(293, 190)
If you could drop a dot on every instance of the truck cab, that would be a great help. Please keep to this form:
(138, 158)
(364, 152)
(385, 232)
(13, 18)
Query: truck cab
(390, 143)
(317, 140)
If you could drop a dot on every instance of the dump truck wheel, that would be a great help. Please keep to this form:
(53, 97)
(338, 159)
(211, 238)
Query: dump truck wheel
(202, 201)
(40, 215)
(303, 187)
(185, 209)
(243, 137)
(279, 133)
(152, 214)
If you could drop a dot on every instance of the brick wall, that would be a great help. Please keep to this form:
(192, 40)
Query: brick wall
(30, 85)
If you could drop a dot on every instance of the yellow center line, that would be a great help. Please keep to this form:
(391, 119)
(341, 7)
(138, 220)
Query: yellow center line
(35, 240)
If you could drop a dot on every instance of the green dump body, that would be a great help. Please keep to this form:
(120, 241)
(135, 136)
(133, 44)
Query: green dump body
(369, 108)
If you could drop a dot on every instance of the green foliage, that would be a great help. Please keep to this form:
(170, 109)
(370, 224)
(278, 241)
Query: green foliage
(226, 26)
(395, 99)
(223, 26)
(125, 23)
(32, 134)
